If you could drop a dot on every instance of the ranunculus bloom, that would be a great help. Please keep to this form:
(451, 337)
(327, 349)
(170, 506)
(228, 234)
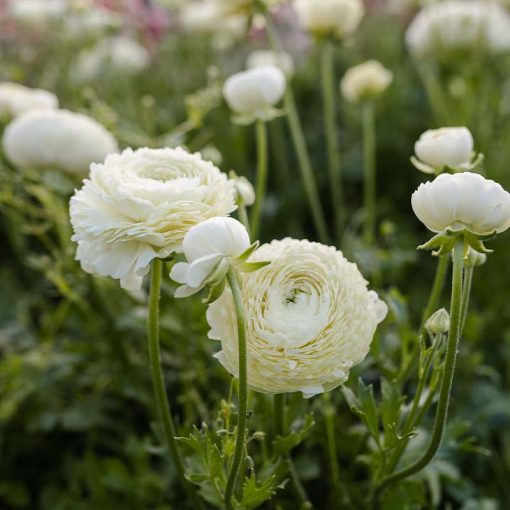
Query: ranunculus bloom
(444, 28)
(264, 58)
(330, 17)
(37, 12)
(16, 99)
(56, 140)
(254, 93)
(462, 201)
(310, 318)
(365, 81)
(120, 54)
(451, 146)
(206, 246)
(139, 205)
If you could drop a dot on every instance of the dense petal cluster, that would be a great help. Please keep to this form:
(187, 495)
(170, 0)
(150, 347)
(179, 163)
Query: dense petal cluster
(451, 146)
(339, 18)
(310, 318)
(443, 28)
(462, 201)
(57, 140)
(16, 99)
(365, 81)
(138, 205)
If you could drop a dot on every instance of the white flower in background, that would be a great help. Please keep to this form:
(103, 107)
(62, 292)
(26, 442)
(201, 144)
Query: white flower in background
(91, 21)
(445, 147)
(310, 318)
(264, 58)
(339, 18)
(16, 99)
(244, 189)
(207, 18)
(253, 94)
(36, 12)
(56, 140)
(211, 153)
(365, 81)
(139, 205)
(444, 28)
(208, 247)
(463, 201)
(120, 54)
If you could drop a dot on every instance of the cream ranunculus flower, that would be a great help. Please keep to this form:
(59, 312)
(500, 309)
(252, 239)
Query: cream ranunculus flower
(339, 18)
(463, 201)
(264, 58)
(445, 147)
(16, 99)
(253, 94)
(444, 28)
(310, 318)
(208, 247)
(37, 13)
(56, 140)
(139, 205)
(365, 81)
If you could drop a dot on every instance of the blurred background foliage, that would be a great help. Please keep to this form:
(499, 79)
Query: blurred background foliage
(75, 393)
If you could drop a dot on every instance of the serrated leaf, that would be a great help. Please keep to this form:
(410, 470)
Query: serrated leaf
(369, 408)
(254, 493)
(284, 444)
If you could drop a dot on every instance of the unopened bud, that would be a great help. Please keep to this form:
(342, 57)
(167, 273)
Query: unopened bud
(474, 258)
(438, 322)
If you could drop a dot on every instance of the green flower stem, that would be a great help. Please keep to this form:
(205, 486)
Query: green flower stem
(279, 430)
(368, 121)
(433, 88)
(261, 184)
(243, 216)
(298, 139)
(448, 373)
(329, 114)
(158, 381)
(242, 406)
(466, 292)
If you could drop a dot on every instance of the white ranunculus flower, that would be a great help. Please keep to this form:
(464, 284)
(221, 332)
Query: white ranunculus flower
(365, 81)
(207, 246)
(444, 28)
(36, 12)
(119, 54)
(264, 58)
(245, 190)
(462, 201)
(139, 205)
(91, 21)
(16, 99)
(253, 94)
(336, 17)
(310, 318)
(450, 146)
(57, 140)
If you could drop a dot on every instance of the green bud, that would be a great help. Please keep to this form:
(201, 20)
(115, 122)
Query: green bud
(438, 322)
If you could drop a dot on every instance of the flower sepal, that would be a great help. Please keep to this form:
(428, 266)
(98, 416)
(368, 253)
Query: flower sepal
(443, 243)
(266, 115)
(476, 159)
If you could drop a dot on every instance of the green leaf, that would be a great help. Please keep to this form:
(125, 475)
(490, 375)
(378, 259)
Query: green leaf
(369, 409)
(284, 444)
(390, 411)
(254, 493)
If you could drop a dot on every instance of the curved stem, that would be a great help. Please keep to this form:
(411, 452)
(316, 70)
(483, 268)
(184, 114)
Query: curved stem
(243, 389)
(329, 113)
(162, 403)
(368, 121)
(448, 373)
(261, 135)
(298, 139)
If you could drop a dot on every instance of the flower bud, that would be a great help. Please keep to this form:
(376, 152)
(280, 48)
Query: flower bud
(451, 147)
(244, 189)
(207, 248)
(253, 94)
(330, 17)
(365, 81)
(463, 201)
(475, 258)
(438, 322)
(264, 58)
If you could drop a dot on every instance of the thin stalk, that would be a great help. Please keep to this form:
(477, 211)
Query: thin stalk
(329, 415)
(329, 114)
(298, 139)
(466, 292)
(368, 120)
(261, 182)
(243, 216)
(162, 403)
(447, 378)
(242, 405)
(279, 414)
